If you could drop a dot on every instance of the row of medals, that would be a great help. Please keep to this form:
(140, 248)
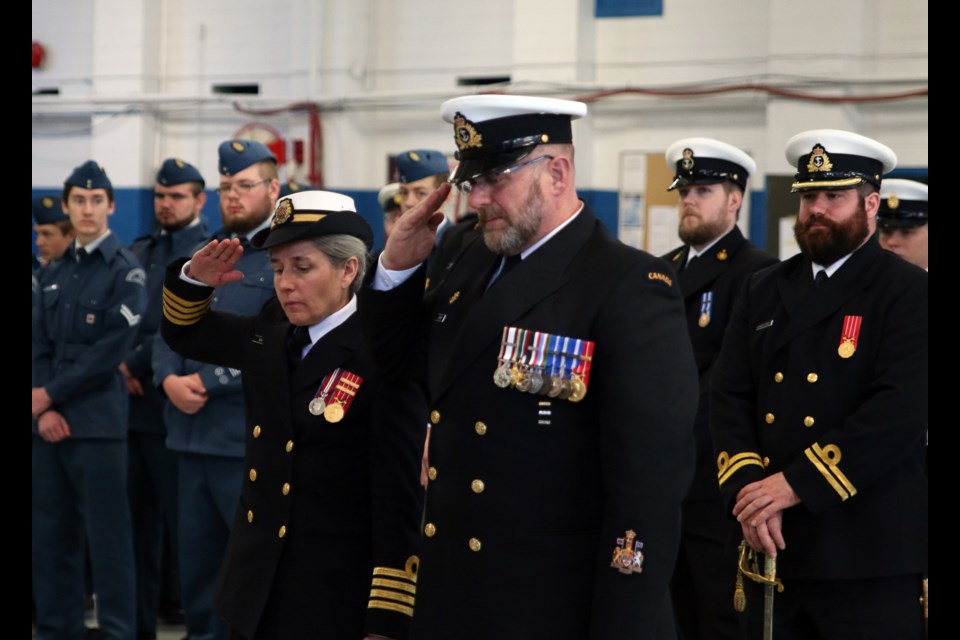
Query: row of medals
(333, 412)
(532, 380)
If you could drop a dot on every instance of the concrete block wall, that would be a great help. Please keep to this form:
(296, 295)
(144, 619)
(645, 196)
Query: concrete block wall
(135, 78)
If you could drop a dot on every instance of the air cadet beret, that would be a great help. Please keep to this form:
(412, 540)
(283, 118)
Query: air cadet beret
(834, 159)
(389, 196)
(292, 186)
(47, 208)
(310, 214)
(708, 161)
(237, 155)
(175, 171)
(419, 164)
(89, 175)
(495, 131)
(903, 203)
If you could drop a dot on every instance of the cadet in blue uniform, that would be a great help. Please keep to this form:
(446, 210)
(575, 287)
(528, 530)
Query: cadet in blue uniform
(325, 542)
(818, 410)
(205, 413)
(902, 220)
(53, 227)
(90, 304)
(711, 181)
(562, 390)
(178, 198)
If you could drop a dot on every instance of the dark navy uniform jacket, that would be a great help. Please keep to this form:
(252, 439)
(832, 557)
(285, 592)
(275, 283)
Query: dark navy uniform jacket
(845, 425)
(326, 537)
(154, 251)
(717, 276)
(530, 496)
(217, 429)
(84, 322)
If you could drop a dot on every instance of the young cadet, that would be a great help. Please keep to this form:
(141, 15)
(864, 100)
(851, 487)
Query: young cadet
(178, 198)
(205, 413)
(90, 304)
(818, 410)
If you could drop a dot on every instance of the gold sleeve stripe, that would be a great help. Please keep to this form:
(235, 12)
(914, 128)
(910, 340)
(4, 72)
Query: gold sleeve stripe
(177, 316)
(826, 460)
(393, 584)
(409, 572)
(729, 467)
(399, 608)
(184, 303)
(390, 595)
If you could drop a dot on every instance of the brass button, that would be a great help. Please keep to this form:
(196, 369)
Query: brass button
(249, 516)
(812, 377)
(474, 544)
(286, 488)
(769, 418)
(253, 475)
(256, 431)
(282, 532)
(766, 461)
(435, 417)
(480, 428)
(778, 377)
(432, 473)
(477, 486)
(289, 446)
(430, 530)
(808, 421)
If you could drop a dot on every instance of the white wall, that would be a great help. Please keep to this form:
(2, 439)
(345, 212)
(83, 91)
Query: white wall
(135, 76)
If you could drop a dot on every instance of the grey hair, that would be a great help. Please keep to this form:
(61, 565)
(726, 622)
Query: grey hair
(338, 248)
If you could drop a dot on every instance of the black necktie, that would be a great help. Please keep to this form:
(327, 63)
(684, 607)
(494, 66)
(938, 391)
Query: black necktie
(299, 338)
(81, 254)
(509, 262)
(821, 278)
(691, 261)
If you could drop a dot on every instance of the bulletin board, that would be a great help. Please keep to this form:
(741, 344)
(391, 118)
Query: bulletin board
(648, 212)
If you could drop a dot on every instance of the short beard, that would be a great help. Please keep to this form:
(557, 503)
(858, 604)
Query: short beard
(839, 239)
(524, 224)
(176, 226)
(702, 234)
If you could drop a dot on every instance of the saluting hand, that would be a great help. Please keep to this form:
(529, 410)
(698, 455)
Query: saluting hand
(213, 264)
(413, 235)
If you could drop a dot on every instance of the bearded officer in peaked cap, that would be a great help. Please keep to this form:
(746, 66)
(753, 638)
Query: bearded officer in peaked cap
(562, 393)
(711, 184)
(818, 410)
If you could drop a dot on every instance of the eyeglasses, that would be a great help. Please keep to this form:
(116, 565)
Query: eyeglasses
(242, 187)
(493, 179)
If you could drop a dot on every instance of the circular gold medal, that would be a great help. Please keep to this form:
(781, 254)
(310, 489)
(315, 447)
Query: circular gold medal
(846, 348)
(316, 406)
(704, 320)
(577, 389)
(502, 377)
(565, 389)
(333, 412)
